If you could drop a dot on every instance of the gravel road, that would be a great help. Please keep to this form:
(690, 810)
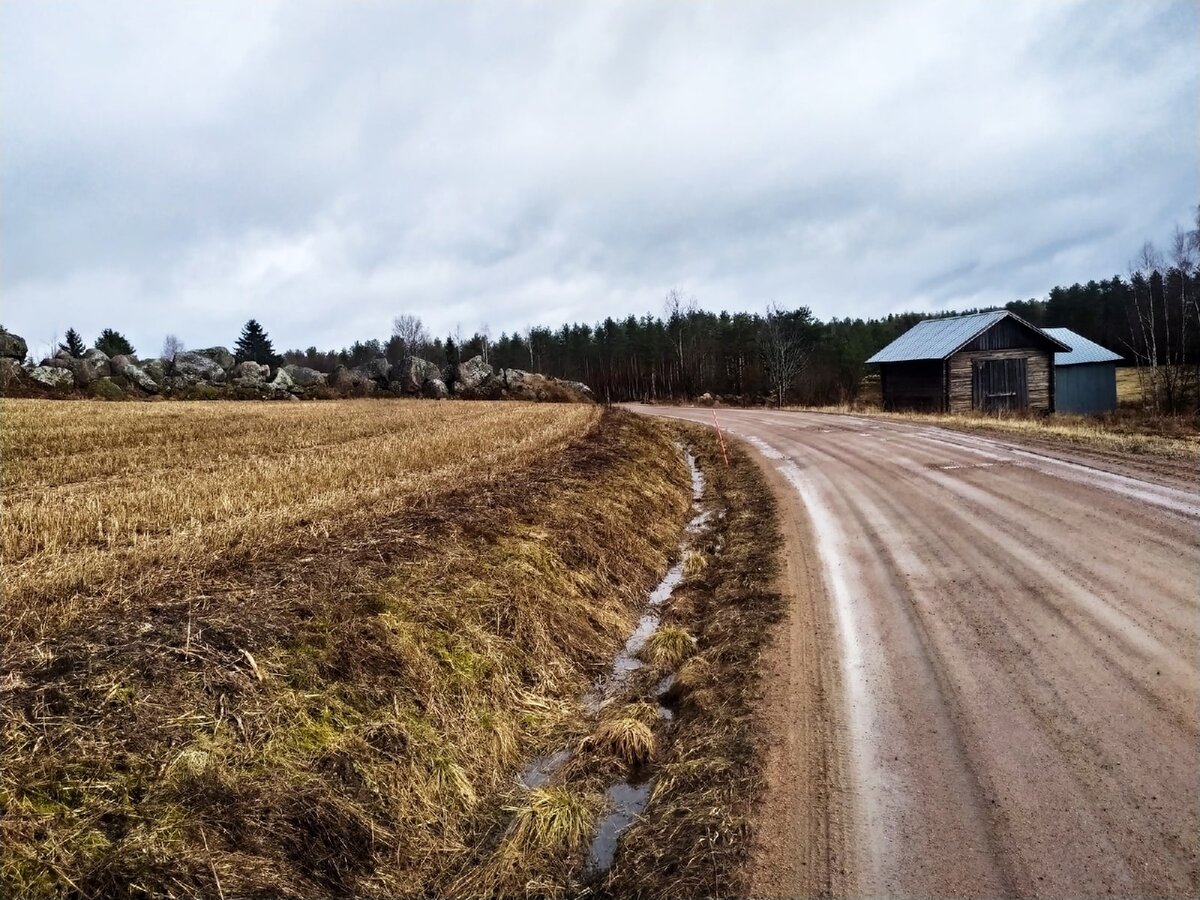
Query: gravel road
(989, 682)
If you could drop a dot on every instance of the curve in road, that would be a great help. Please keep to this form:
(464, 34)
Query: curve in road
(1018, 636)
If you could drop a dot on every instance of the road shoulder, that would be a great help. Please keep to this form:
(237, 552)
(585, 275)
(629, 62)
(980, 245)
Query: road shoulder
(803, 845)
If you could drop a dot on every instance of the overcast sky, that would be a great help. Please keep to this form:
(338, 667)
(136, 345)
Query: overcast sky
(180, 167)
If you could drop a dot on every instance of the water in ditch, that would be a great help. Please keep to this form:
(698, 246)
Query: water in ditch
(625, 800)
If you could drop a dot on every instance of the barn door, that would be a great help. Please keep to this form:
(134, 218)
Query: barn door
(999, 384)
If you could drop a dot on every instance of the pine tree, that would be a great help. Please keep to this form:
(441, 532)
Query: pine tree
(255, 346)
(113, 343)
(452, 360)
(73, 344)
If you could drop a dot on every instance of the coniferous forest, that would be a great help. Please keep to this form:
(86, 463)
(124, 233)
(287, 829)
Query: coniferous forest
(1149, 316)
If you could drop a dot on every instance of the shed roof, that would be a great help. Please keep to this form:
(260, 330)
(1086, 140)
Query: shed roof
(938, 338)
(1082, 350)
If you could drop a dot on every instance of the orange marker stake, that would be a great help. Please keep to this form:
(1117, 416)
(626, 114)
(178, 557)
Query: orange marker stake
(721, 438)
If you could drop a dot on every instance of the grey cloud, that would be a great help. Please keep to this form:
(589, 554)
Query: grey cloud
(322, 166)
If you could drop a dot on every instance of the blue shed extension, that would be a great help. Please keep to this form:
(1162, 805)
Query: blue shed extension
(1086, 377)
(1082, 350)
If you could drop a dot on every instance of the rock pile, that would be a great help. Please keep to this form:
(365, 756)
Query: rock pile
(214, 373)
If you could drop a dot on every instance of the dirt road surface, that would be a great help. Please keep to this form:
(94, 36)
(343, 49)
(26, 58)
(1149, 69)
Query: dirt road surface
(989, 682)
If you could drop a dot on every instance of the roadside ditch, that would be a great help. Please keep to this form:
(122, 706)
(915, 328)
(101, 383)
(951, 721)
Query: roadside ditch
(651, 794)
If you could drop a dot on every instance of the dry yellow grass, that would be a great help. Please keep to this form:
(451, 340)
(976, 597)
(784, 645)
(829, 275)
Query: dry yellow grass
(320, 675)
(99, 492)
(1130, 391)
(1167, 437)
(668, 647)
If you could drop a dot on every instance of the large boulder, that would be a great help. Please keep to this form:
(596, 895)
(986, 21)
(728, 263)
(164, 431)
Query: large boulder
(155, 368)
(491, 388)
(12, 346)
(282, 380)
(86, 371)
(522, 385)
(577, 387)
(356, 382)
(136, 374)
(106, 389)
(471, 374)
(303, 376)
(435, 389)
(100, 362)
(52, 377)
(194, 366)
(58, 362)
(409, 376)
(10, 371)
(220, 356)
(376, 371)
(250, 373)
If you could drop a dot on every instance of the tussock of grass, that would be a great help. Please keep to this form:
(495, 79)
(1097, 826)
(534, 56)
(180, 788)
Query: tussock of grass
(627, 734)
(551, 820)
(694, 674)
(550, 826)
(668, 647)
(412, 654)
(694, 563)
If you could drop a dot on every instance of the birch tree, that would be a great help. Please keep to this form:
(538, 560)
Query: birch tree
(786, 347)
(411, 331)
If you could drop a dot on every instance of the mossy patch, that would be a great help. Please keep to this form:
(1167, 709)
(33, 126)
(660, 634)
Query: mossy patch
(106, 389)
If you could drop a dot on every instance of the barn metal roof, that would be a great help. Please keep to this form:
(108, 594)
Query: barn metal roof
(937, 338)
(1082, 350)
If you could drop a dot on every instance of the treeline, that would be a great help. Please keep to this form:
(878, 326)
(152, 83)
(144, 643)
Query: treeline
(1149, 316)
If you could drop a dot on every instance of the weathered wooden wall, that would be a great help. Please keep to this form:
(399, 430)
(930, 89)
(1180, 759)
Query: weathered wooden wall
(1039, 371)
(1007, 334)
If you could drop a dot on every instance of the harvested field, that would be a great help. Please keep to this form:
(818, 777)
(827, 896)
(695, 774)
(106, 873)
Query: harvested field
(300, 651)
(99, 498)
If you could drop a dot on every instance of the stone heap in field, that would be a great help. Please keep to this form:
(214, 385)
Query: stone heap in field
(214, 374)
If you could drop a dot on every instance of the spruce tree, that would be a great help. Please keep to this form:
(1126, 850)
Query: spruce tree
(255, 346)
(113, 343)
(452, 360)
(73, 344)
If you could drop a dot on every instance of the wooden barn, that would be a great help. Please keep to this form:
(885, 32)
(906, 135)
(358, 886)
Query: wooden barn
(987, 361)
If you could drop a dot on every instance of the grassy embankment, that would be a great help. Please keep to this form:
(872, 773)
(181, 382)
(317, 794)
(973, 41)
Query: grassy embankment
(269, 650)
(1131, 429)
(302, 651)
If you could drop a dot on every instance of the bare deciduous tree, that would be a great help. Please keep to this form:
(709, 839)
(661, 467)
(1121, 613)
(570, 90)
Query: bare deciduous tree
(485, 335)
(1159, 334)
(171, 345)
(785, 348)
(411, 330)
(528, 335)
(677, 311)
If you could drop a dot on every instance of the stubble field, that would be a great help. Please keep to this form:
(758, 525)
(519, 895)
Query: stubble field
(98, 497)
